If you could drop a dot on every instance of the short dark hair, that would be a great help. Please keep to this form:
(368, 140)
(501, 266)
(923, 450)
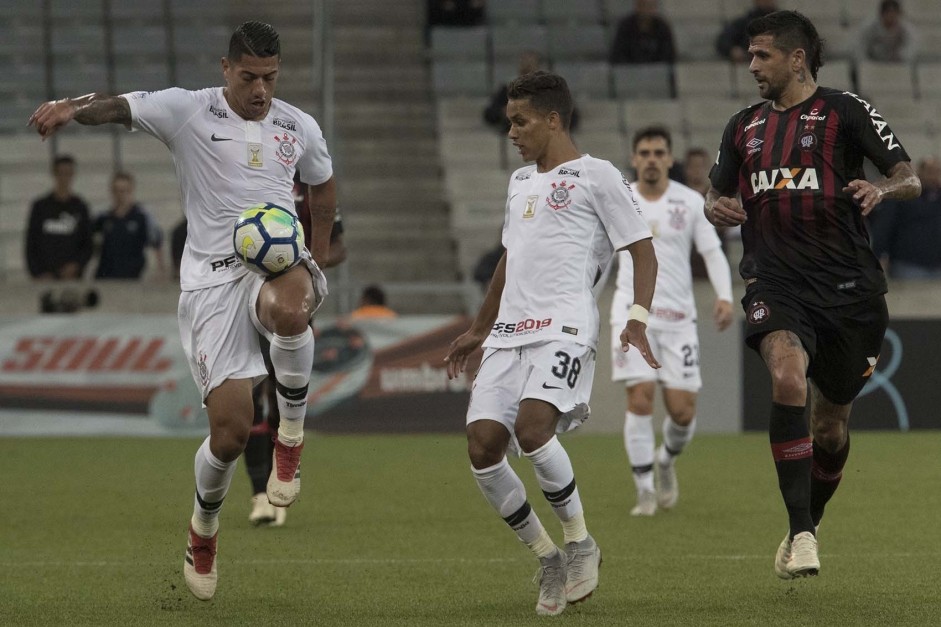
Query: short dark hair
(546, 92)
(791, 30)
(885, 5)
(698, 152)
(255, 39)
(651, 132)
(374, 295)
(62, 160)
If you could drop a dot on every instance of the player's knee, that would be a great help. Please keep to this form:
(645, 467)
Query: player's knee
(484, 454)
(829, 434)
(788, 387)
(228, 444)
(533, 436)
(288, 318)
(683, 415)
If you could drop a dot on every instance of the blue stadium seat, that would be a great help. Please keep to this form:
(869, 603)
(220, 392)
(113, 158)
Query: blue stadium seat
(509, 41)
(588, 11)
(587, 78)
(467, 44)
(643, 80)
(577, 42)
(519, 11)
(455, 78)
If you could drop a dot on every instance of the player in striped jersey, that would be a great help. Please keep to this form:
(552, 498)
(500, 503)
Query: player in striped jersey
(814, 297)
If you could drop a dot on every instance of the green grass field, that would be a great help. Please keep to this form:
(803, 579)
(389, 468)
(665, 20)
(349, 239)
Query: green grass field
(393, 531)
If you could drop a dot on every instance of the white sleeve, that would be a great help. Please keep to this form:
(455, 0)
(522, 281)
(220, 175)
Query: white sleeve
(720, 275)
(616, 207)
(315, 164)
(162, 113)
(705, 237)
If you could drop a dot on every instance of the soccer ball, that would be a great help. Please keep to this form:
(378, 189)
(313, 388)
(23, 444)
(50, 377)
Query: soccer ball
(268, 239)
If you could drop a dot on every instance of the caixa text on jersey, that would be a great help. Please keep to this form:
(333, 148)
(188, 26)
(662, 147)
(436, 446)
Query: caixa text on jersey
(523, 326)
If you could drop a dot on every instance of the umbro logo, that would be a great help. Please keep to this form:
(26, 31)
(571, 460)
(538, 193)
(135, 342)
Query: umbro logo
(220, 139)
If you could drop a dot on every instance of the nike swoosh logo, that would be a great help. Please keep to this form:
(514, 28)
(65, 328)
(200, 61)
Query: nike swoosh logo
(546, 386)
(220, 139)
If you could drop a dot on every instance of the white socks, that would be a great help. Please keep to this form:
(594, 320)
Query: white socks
(212, 482)
(292, 358)
(505, 492)
(557, 480)
(675, 439)
(639, 444)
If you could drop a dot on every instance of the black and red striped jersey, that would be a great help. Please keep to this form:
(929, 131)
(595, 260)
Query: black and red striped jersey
(804, 234)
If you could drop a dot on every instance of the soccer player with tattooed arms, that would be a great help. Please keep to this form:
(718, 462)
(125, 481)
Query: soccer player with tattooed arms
(814, 291)
(234, 147)
(565, 216)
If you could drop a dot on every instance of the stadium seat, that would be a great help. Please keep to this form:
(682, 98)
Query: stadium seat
(471, 148)
(454, 78)
(75, 77)
(609, 145)
(207, 10)
(907, 117)
(82, 40)
(460, 44)
(475, 215)
(643, 80)
(509, 41)
(24, 77)
(18, 39)
(703, 78)
(134, 38)
(575, 42)
(922, 12)
(197, 72)
(589, 78)
(884, 78)
(588, 11)
(640, 113)
(929, 43)
(502, 72)
(836, 73)
(479, 184)
(709, 114)
(928, 76)
(93, 150)
(21, 12)
(840, 42)
(709, 140)
(134, 74)
(682, 10)
(731, 9)
(818, 11)
(139, 150)
(599, 115)
(921, 146)
(85, 11)
(518, 11)
(199, 39)
(614, 10)
(137, 10)
(695, 39)
(460, 114)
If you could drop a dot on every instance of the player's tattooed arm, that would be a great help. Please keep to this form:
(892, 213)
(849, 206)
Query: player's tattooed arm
(322, 201)
(90, 109)
(723, 209)
(95, 109)
(902, 183)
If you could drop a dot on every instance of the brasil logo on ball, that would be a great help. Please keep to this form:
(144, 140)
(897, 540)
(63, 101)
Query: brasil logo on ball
(268, 239)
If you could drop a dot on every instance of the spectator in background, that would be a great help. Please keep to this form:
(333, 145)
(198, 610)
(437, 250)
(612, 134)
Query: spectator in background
(58, 237)
(456, 12)
(372, 305)
(487, 265)
(732, 43)
(495, 112)
(906, 233)
(643, 36)
(888, 38)
(127, 230)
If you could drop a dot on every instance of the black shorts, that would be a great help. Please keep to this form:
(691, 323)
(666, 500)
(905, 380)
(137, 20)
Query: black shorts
(843, 342)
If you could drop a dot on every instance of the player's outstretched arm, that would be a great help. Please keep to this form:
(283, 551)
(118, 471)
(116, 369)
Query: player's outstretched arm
(644, 260)
(470, 340)
(901, 184)
(723, 210)
(90, 109)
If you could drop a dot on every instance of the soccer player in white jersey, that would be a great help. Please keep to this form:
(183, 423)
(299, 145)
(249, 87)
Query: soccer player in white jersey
(565, 216)
(233, 147)
(673, 212)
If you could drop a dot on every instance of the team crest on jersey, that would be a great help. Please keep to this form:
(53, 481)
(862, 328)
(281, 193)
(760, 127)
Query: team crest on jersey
(677, 217)
(807, 141)
(286, 153)
(203, 370)
(758, 312)
(559, 198)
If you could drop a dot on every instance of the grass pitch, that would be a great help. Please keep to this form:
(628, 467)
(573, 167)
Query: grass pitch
(393, 531)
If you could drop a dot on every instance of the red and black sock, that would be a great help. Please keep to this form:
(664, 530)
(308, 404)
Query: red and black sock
(792, 450)
(825, 474)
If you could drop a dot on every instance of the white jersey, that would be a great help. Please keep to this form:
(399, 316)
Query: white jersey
(677, 222)
(224, 165)
(561, 230)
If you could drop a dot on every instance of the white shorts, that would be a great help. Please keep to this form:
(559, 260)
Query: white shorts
(219, 329)
(557, 372)
(677, 350)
